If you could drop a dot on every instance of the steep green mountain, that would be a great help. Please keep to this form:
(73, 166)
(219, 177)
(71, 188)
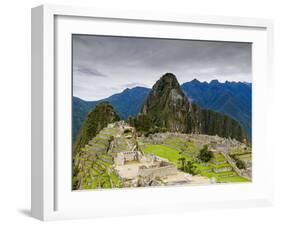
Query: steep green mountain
(231, 98)
(168, 108)
(127, 103)
(166, 105)
(96, 120)
(80, 110)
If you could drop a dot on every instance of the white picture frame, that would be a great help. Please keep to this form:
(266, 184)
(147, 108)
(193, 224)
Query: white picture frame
(51, 83)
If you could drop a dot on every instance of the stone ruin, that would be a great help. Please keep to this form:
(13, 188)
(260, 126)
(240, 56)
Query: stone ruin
(214, 142)
(126, 156)
(161, 170)
(151, 166)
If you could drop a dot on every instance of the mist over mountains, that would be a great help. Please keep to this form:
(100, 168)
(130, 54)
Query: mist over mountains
(230, 98)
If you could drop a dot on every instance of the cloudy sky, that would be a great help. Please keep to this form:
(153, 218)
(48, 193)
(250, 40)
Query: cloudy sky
(104, 65)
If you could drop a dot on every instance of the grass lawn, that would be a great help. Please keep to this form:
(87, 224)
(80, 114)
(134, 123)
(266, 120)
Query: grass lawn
(175, 142)
(191, 150)
(205, 169)
(163, 151)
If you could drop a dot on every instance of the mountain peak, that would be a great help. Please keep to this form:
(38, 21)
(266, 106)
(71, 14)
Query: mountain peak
(166, 105)
(169, 78)
(195, 81)
(214, 81)
(169, 75)
(167, 81)
(104, 104)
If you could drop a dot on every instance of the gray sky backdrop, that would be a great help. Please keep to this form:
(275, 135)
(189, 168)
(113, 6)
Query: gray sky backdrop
(104, 65)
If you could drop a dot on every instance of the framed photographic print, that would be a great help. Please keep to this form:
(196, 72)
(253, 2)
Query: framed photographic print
(137, 112)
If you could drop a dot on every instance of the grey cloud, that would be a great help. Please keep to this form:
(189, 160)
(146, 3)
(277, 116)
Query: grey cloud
(128, 61)
(88, 71)
(134, 84)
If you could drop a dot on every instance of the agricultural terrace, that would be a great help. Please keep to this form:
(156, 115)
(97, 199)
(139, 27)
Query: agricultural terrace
(174, 148)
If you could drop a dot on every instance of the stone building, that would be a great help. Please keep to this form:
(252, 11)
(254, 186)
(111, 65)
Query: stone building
(127, 156)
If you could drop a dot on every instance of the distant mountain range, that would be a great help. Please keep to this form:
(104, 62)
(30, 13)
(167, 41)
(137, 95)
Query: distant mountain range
(97, 119)
(230, 98)
(126, 103)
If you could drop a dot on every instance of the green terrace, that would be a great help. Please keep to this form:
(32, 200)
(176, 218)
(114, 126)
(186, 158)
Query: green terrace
(240, 151)
(174, 148)
(104, 180)
(98, 174)
(245, 157)
(97, 165)
(243, 154)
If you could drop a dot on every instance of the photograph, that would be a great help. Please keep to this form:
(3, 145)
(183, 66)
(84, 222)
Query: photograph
(160, 112)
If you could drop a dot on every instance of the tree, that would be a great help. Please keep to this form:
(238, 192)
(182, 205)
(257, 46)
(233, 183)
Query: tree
(182, 163)
(205, 155)
(131, 121)
(187, 166)
(240, 164)
(190, 168)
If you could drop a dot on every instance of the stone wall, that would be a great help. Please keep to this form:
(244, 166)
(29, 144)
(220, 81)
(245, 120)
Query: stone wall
(130, 155)
(157, 171)
(224, 169)
(119, 160)
(126, 156)
(148, 158)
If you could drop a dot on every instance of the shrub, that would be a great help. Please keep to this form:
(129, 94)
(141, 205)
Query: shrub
(187, 166)
(205, 155)
(240, 164)
(127, 131)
